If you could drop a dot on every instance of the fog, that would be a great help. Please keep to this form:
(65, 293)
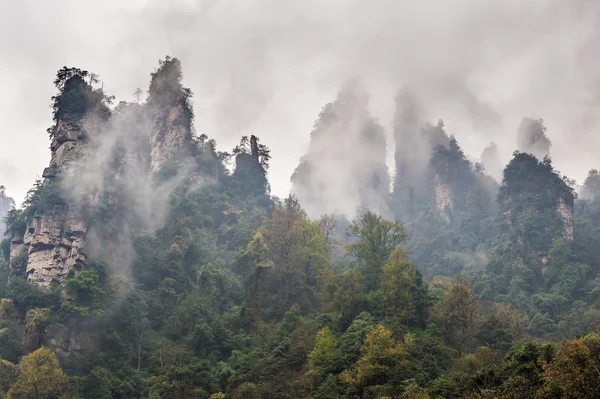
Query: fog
(267, 67)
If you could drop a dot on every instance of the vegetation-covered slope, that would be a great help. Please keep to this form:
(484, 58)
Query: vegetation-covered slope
(198, 283)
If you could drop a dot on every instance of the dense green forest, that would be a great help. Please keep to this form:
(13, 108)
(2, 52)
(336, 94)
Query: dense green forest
(464, 287)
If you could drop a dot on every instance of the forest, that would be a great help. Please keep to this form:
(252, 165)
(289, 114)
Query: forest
(146, 263)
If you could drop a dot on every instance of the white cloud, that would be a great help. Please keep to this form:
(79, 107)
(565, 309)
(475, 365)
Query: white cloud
(268, 66)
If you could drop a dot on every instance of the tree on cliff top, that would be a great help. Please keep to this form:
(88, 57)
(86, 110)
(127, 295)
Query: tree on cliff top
(76, 97)
(166, 89)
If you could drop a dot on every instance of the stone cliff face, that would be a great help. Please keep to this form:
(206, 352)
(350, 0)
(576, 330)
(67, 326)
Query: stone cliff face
(565, 211)
(96, 152)
(443, 197)
(537, 203)
(170, 136)
(452, 178)
(54, 240)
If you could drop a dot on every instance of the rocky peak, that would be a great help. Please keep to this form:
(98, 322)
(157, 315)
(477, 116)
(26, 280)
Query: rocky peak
(345, 159)
(170, 136)
(535, 198)
(591, 186)
(532, 139)
(169, 102)
(490, 158)
(53, 243)
(251, 162)
(453, 177)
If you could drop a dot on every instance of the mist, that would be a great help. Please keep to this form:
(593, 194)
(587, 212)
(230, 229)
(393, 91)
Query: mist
(267, 67)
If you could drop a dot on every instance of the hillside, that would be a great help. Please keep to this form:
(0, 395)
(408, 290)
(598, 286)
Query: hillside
(148, 263)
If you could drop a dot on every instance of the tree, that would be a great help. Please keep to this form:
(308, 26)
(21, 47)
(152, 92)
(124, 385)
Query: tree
(257, 265)
(328, 226)
(377, 238)
(322, 357)
(8, 374)
(380, 354)
(414, 391)
(574, 371)
(137, 93)
(37, 319)
(399, 286)
(457, 316)
(344, 295)
(93, 78)
(297, 248)
(247, 390)
(40, 377)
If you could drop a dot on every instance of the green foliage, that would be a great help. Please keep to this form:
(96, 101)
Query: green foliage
(40, 377)
(166, 89)
(87, 292)
(377, 238)
(240, 295)
(76, 97)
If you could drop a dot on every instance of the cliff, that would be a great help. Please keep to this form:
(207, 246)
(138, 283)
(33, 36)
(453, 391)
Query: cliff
(537, 203)
(452, 177)
(443, 197)
(169, 105)
(53, 244)
(564, 210)
(100, 163)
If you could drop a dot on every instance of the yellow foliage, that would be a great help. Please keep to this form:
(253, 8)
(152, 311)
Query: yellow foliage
(379, 354)
(40, 377)
(324, 350)
(414, 391)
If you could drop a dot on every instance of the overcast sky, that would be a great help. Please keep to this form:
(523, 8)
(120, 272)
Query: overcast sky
(266, 67)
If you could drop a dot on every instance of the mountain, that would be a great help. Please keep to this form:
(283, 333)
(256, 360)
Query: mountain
(146, 263)
(344, 168)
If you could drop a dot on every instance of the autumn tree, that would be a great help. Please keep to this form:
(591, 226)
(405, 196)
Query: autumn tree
(380, 355)
(40, 377)
(325, 352)
(574, 371)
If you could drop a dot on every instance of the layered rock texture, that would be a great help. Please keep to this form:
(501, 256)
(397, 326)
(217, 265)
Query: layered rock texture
(565, 212)
(168, 104)
(170, 136)
(100, 163)
(54, 239)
